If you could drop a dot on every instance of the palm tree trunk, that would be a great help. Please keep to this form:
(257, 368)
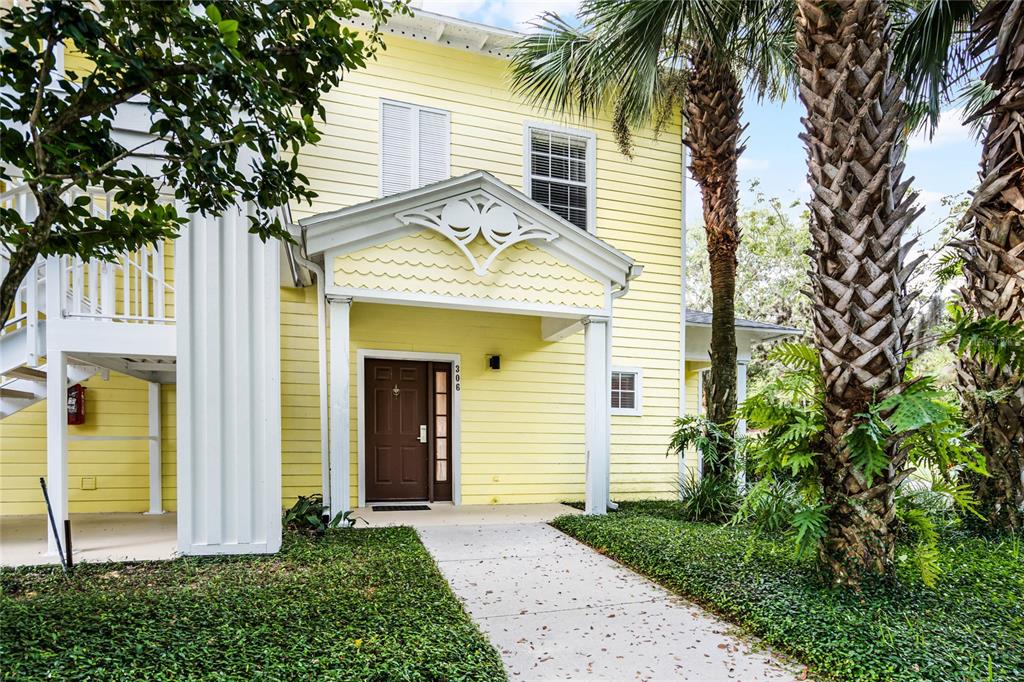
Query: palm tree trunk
(994, 269)
(713, 110)
(854, 132)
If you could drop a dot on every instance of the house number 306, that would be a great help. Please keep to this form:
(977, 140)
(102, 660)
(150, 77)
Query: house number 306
(456, 377)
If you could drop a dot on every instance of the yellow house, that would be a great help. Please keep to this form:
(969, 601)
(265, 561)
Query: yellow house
(486, 306)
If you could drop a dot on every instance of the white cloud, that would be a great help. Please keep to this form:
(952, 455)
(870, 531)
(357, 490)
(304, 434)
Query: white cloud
(929, 199)
(950, 130)
(513, 14)
(748, 164)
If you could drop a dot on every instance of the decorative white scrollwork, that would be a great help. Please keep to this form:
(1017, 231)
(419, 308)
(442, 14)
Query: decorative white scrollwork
(462, 219)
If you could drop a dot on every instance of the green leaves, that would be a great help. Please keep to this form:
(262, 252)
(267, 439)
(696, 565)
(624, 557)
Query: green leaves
(989, 339)
(368, 604)
(809, 527)
(188, 74)
(890, 631)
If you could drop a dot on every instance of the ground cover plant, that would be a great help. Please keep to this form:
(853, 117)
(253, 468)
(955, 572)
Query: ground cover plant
(969, 628)
(365, 604)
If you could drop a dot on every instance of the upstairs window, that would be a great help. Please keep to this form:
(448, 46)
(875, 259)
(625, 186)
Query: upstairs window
(559, 173)
(415, 146)
(625, 390)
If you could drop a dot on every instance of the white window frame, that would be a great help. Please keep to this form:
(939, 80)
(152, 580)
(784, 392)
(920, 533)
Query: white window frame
(638, 405)
(591, 161)
(416, 109)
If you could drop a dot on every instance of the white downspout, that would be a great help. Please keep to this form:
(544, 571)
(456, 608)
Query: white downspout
(634, 271)
(682, 289)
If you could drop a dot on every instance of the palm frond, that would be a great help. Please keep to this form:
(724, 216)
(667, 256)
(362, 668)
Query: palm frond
(931, 54)
(559, 70)
(975, 98)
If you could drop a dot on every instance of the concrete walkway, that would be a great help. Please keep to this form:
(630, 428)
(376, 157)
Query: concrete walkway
(556, 610)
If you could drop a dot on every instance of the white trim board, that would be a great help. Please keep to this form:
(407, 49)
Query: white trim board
(480, 305)
(362, 355)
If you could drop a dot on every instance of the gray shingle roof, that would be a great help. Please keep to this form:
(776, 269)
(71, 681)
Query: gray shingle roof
(701, 318)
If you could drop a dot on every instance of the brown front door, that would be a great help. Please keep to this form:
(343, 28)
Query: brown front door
(397, 442)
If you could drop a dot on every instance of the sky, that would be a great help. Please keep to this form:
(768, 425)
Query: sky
(945, 165)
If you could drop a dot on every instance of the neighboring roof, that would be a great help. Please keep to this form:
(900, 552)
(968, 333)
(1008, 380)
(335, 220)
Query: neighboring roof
(700, 318)
(378, 220)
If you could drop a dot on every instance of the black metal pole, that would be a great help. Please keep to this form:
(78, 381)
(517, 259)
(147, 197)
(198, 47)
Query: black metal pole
(53, 524)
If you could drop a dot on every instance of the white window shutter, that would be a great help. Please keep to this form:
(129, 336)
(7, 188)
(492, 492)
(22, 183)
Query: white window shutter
(434, 146)
(397, 148)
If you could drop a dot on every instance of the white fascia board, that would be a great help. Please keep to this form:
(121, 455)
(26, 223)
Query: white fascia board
(374, 222)
(482, 305)
(450, 32)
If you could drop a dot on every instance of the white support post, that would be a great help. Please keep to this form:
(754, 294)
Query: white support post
(741, 395)
(340, 455)
(597, 415)
(57, 444)
(156, 497)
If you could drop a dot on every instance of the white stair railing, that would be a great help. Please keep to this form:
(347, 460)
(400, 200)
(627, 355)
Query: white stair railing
(132, 288)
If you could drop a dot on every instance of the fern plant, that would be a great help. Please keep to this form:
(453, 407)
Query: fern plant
(787, 416)
(987, 338)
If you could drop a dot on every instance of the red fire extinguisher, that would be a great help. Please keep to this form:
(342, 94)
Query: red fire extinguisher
(76, 405)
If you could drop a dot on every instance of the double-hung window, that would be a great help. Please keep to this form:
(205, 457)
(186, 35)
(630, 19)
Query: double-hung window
(415, 146)
(559, 172)
(626, 393)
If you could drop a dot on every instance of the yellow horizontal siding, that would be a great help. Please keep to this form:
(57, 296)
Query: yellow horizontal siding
(115, 407)
(521, 445)
(638, 202)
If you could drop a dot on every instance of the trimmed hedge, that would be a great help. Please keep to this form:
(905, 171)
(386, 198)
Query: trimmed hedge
(364, 604)
(970, 628)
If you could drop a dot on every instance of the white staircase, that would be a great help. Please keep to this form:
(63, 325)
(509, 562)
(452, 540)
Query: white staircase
(60, 292)
(25, 386)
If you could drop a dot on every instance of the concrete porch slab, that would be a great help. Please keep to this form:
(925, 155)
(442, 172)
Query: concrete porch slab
(445, 514)
(95, 537)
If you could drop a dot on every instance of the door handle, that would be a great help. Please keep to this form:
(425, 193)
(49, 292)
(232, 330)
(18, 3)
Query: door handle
(423, 433)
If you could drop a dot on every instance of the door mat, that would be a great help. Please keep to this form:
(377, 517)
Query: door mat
(399, 507)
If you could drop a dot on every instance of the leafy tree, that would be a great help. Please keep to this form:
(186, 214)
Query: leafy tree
(231, 93)
(771, 270)
(650, 61)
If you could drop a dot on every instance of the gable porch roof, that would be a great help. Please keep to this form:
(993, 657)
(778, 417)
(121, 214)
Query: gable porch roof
(380, 220)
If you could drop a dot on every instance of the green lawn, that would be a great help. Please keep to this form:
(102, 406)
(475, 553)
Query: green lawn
(364, 604)
(971, 627)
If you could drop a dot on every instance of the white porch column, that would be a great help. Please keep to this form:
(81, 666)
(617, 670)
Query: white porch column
(597, 416)
(340, 411)
(156, 493)
(57, 444)
(741, 395)
(229, 387)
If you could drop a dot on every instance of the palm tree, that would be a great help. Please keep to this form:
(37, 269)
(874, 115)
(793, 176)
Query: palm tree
(962, 40)
(648, 61)
(855, 127)
(994, 265)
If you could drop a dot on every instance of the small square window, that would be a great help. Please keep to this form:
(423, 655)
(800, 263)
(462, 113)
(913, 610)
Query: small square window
(626, 397)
